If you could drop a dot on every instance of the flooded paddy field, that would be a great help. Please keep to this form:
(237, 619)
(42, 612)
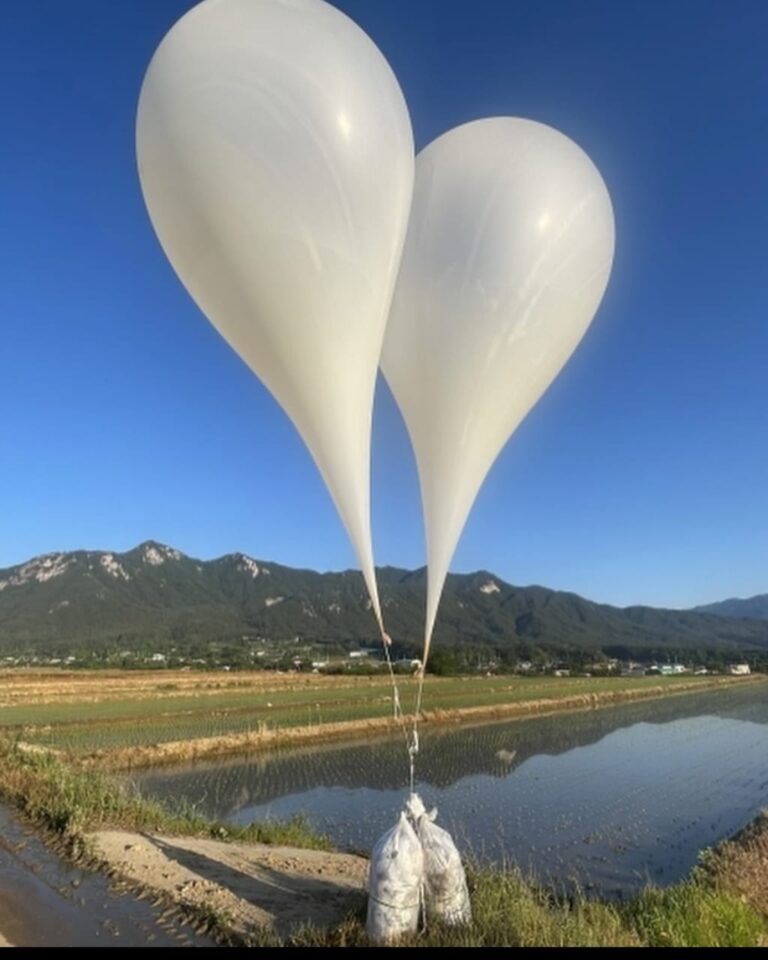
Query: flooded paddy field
(606, 800)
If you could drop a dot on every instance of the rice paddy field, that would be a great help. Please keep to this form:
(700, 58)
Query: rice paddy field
(545, 795)
(600, 801)
(111, 713)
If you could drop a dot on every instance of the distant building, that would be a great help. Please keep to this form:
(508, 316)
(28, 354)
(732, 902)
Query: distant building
(671, 669)
(739, 669)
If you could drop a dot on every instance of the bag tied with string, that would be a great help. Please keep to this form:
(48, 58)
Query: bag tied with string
(447, 895)
(395, 881)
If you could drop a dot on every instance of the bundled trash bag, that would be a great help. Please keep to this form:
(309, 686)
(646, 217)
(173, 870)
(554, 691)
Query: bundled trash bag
(395, 884)
(447, 896)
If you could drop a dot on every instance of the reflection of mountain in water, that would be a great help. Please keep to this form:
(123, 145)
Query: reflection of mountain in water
(448, 754)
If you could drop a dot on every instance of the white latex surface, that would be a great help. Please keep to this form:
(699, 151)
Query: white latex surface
(276, 158)
(508, 254)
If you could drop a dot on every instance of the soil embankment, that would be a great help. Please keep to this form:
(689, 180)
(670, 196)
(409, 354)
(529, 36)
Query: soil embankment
(249, 888)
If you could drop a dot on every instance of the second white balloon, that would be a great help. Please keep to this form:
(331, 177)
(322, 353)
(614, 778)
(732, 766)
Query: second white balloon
(509, 250)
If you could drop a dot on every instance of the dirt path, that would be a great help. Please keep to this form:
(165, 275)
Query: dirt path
(252, 886)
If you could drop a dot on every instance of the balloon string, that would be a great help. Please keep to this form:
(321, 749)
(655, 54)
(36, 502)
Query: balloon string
(414, 745)
(398, 709)
(412, 736)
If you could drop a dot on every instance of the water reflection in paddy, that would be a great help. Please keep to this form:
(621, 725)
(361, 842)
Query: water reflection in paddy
(608, 799)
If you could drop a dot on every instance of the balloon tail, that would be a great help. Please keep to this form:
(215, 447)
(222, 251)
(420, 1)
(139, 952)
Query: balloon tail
(411, 736)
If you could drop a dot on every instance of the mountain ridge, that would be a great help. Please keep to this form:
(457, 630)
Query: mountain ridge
(752, 608)
(156, 593)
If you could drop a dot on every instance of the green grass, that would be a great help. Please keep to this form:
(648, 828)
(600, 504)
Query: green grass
(70, 802)
(111, 724)
(695, 914)
(508, 911)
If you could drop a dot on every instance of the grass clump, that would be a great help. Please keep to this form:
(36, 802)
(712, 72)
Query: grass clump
(695, 914)
(66, 800)
(294, 832)
(509, 911)
(71, 801)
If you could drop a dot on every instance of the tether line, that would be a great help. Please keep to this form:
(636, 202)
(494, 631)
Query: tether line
(411, 742)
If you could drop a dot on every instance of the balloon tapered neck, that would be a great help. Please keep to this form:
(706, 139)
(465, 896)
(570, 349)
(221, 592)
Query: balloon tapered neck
(427, 647)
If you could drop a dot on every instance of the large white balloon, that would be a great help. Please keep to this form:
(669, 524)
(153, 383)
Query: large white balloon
(276, 158)
(508, 254)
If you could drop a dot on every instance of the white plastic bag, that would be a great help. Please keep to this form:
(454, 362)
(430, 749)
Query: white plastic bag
(447, 896)
(395, 880)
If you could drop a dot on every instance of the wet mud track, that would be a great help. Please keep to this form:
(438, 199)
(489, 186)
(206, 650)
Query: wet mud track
(46, 902)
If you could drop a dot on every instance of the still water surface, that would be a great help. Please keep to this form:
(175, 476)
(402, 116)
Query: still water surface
(607, 799)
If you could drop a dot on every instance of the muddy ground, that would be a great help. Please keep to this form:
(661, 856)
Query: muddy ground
(47, 902)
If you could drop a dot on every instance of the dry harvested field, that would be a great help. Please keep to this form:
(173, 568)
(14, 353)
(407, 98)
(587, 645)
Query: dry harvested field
(129, 718)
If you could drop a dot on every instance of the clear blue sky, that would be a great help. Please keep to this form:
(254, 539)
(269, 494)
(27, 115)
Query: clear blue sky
(641, 477)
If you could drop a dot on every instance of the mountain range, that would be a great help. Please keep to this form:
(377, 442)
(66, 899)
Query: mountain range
(155, 594)
(754, 608)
